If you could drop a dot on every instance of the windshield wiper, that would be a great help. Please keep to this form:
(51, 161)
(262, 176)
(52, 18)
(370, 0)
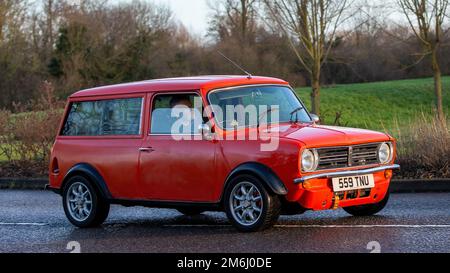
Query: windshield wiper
(295, 112)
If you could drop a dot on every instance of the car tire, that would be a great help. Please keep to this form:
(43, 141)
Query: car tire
(249, 205)
(190, 211)
(368, 210)
(83, 205)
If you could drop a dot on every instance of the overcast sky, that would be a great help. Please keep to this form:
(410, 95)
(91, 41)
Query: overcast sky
(193, 13)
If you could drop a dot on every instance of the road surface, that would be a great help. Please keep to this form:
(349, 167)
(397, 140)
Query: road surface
(34, 221)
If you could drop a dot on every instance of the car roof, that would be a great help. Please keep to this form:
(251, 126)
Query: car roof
(203, 83)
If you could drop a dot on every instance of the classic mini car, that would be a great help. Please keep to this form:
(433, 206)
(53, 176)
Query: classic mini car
(117, 145)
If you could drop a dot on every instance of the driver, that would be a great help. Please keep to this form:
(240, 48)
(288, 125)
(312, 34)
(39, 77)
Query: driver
(189, 117)
(181, 101)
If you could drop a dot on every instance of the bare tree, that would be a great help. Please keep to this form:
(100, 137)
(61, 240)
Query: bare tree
(5, 10)
(50, 22)
(44, 20)
(12, 17)
(426, 19)
(311, 26)
(234, 18)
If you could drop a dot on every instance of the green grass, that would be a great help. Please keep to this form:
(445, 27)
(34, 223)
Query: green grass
(379, 105)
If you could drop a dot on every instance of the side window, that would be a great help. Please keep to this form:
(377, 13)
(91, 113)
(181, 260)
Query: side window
(118, 117)
(176, 114)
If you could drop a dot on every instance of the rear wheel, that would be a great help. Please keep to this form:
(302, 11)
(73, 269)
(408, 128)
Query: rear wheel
(249, 205)
(368, 210)
(82, 203)
(190, 211)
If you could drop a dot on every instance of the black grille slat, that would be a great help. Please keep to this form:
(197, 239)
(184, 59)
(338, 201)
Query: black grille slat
(333, 158)
(365, 155)
(342, 157)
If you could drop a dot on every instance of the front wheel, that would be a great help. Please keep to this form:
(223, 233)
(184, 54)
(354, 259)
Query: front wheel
(368, 210)
(82, 204)
(249, 205)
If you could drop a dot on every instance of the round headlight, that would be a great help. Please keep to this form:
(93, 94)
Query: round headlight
(309, 160)
(385, 153)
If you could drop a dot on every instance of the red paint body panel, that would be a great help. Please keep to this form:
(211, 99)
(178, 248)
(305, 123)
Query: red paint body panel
(115, 160)
(320, 195)
(178, 170)
(322, 136)
(196, 171)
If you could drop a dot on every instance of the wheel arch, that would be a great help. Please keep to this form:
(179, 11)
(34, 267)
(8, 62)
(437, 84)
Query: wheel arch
(261, 171)
(89, 172)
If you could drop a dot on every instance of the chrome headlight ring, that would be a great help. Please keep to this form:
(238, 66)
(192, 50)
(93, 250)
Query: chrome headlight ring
(385, 153)
(309, 160)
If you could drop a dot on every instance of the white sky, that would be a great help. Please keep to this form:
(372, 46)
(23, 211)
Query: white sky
(192, 13)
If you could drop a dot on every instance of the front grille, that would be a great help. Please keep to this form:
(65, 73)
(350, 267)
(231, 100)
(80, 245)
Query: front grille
(333, 158)
(348, 156)
(365, 155)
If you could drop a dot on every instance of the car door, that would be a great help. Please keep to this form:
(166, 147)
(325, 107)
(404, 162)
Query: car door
(105, 133)
(175, 166)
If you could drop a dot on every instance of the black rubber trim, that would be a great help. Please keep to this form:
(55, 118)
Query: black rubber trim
(55, 190)
(93, 175)
(166, 204)
(268, 177)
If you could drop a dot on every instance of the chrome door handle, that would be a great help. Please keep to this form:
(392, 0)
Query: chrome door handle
(146, 150)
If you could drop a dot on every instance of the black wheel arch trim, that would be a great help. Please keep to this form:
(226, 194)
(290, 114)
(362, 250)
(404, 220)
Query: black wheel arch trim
(267, 176)
(92, 174)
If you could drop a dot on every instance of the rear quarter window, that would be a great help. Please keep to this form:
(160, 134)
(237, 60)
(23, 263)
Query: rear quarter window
(118, 117)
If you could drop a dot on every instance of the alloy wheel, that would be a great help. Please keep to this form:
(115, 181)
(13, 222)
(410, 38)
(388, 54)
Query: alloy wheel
(79, 201)
(246, 203)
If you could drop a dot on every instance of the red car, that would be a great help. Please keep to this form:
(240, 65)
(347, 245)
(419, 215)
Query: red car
(117, 145)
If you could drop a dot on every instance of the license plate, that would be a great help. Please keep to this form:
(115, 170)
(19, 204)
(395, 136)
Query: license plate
(353, 183)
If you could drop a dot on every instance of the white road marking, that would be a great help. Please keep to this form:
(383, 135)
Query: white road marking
(23, 224)
(324, 226)
(362, 226)
(201, 226)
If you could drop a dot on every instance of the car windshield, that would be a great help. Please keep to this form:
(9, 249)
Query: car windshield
(255, 105)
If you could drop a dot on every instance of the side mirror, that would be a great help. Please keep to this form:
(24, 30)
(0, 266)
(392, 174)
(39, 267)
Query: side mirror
(315, 118)
(206, 132)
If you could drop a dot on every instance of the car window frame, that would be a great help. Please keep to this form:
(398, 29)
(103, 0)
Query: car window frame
(141, 96)
(253, 85)
(150, 114)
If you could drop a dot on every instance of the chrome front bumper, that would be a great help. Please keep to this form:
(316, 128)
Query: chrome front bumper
(346, 173)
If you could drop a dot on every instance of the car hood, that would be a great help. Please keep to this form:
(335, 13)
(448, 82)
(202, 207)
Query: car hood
(322, 136)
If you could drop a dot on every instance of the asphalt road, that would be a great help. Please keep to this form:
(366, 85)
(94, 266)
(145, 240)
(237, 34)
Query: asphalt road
(34, 221)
